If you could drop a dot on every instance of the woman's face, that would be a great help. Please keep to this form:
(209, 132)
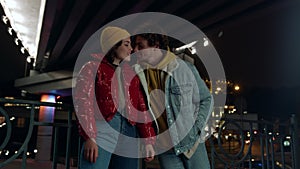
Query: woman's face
(124, 50)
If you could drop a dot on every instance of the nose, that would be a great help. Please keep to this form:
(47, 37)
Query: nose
(135, 49)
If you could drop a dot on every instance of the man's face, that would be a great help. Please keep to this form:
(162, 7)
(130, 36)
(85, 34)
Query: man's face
(145, 53)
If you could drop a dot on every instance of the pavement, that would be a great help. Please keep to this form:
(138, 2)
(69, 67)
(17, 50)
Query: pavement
(33, 164)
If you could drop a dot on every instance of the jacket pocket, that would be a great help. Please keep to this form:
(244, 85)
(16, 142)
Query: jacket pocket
(181, 94)
(175, 95)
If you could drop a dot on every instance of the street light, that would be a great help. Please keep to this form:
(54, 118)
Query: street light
(236, 87)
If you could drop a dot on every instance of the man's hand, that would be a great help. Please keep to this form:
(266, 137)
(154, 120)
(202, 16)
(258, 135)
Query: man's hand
(90, 150)
(149, 153)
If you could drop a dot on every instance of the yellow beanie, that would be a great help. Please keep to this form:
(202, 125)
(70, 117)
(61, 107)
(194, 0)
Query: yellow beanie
(110, 36)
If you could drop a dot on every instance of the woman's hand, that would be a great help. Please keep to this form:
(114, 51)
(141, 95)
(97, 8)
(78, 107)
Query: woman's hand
(149, 153)
(90, 150)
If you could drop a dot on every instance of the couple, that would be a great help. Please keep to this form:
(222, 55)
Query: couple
(162, 99)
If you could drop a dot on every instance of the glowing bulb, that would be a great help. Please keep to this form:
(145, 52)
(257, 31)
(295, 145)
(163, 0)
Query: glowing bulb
(193, 50)
(5, 19)
(16, 41)
(10, 31)
(23, 50)
(205, 43)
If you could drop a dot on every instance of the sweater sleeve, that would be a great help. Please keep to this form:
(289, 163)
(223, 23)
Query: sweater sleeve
(84, 98)
(203, 101)
(145, 125)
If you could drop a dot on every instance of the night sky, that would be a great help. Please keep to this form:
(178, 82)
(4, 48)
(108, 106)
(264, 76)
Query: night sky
(262, 55)
(263, 51)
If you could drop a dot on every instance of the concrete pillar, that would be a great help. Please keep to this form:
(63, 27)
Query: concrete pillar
(44, 136)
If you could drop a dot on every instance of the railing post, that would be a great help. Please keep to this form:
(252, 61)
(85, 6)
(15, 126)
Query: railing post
(54, 153)
(295, 139)
(79, 152)
(282, 153)
(24, 157)
(68, 138)
(261, 135)
(212, 152)
(267, 146)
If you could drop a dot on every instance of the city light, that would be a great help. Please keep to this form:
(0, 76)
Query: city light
(286, 143)
(236, 88)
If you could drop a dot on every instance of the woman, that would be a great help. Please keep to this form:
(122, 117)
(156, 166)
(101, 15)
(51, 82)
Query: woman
(118, 93)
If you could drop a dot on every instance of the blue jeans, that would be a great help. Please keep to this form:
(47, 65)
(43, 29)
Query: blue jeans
(199, 160)
(108, 141)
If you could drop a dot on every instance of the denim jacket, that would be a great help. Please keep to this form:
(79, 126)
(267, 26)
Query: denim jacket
(188, 103)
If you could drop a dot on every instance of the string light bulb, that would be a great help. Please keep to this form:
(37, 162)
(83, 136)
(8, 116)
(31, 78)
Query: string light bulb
(16, 41)
(23, 49)
(5, 19)
(10, 30)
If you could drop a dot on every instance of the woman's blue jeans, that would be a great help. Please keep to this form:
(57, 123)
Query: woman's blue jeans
(108, 142)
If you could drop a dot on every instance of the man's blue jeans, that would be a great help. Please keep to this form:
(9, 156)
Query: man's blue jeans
(110, 141)
(199, 160)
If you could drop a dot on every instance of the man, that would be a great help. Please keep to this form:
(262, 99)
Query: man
(179, 99)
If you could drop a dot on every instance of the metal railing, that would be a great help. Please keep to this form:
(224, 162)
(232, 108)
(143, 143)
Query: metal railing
(261, 144)
(245, 139)
(32, 122)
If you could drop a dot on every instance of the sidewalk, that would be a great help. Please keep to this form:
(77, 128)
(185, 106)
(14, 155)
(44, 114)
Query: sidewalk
(33, 164)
